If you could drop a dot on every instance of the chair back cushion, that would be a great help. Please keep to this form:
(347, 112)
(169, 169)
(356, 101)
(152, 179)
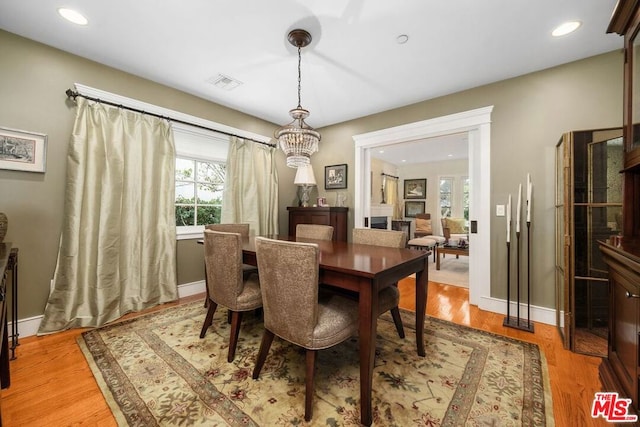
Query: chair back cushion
(424, 226)
(314, 231)
(389, 238)
(223, 258)
(242, 229)
(289, 286)
(455, 225)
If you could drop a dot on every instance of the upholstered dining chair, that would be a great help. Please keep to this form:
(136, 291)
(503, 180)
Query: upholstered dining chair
(243, 230)
(389, 297)
(293, 308)
(227, 284)
(314, 231)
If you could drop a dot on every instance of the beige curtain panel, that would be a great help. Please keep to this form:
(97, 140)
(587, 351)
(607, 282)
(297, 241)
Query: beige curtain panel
(393, 196)
(251, 187)
(117, 248)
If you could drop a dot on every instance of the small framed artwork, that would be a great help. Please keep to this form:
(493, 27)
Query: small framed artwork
(22, 151)
(413, 208)
(415, 188)
(335, 177)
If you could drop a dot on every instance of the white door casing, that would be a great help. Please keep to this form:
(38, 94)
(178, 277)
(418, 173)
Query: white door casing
(477, 124)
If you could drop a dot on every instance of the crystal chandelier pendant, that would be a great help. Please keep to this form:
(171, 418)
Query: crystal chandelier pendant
(297, 139)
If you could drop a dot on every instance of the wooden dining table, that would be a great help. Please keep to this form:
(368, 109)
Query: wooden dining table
(366, 269)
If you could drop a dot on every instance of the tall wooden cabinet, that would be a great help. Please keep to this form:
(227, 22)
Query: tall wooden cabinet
(620, 371)
(333, 216)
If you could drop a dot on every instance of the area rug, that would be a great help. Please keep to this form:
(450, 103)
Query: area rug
(453, 271)
(155, 370)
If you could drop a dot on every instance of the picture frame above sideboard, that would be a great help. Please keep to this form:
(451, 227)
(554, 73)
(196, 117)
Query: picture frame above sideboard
(335, 177)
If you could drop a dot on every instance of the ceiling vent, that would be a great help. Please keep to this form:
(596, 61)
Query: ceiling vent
(224, 82)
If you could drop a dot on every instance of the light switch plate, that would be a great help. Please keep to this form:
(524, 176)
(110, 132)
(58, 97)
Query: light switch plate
(499, 210)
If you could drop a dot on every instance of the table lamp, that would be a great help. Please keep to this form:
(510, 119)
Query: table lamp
(306, 180)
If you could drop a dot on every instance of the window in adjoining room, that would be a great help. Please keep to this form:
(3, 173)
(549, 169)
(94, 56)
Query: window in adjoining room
(465, 197)
(446, 188)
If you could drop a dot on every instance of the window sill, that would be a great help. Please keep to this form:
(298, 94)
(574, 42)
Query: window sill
(189, 233)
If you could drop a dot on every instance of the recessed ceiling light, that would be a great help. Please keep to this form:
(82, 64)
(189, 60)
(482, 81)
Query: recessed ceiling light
(402, 39)
(566, 28)
(449, 155)
(404, 160)
(73, 16)
(381, 151)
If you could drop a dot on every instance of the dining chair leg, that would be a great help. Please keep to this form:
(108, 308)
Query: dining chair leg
(395, 313)
(265, 345)
(209, 318)
(236, 321)
(309, 384)
(206, 286)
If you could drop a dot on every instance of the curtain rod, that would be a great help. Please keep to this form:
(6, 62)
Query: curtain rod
(390, 176)
(74, 94)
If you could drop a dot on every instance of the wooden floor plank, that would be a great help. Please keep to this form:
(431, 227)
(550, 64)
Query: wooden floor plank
(51, 383)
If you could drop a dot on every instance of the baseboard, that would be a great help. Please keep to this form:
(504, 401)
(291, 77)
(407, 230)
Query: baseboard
(26, 327)
(29, 326)
(192, 288)
(538, 314)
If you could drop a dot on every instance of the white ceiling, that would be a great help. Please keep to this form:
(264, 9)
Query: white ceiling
(354, 66)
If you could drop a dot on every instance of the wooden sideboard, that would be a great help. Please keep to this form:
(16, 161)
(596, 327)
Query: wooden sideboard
(333, 216)
(619, 371)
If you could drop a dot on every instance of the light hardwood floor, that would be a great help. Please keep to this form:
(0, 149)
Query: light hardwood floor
(51, 384)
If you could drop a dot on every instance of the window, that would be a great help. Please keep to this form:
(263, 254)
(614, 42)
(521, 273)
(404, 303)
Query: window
(199, 186)
(465, 197)
(200, 175)
(446, 188)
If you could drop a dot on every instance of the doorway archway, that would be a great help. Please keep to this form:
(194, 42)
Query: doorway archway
(477, 124)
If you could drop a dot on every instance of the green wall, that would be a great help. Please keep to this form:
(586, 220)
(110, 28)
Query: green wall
(530, 113)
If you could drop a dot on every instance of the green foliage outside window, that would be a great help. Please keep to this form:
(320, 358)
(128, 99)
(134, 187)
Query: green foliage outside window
(199, 188)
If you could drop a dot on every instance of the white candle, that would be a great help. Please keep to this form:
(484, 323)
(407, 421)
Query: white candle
(519, 208)
(529, 191)
(509, 219)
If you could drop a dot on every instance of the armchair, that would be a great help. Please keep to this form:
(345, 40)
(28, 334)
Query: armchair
(454, 228)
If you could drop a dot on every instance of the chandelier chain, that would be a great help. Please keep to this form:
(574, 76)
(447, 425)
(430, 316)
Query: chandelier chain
(299, 76)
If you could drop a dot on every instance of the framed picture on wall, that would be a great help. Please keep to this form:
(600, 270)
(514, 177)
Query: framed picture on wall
(413, 208)
(21, 150)
(335, 177)
(415, 188)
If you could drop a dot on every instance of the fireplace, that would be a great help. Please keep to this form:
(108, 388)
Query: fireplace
(381, 216)
(379, 222)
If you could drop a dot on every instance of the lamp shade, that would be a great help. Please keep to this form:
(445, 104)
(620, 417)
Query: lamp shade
(305, 176)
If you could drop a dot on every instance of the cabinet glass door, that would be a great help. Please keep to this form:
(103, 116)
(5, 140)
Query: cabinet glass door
(634, 138)
(560, 252)
(588, 209)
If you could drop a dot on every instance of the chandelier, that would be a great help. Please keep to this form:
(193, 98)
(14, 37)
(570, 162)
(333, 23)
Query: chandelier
(297, 139)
